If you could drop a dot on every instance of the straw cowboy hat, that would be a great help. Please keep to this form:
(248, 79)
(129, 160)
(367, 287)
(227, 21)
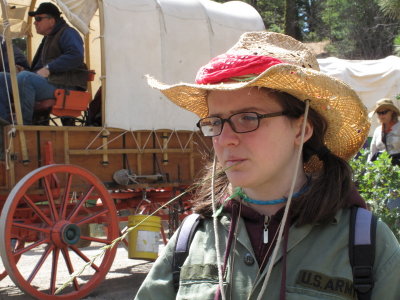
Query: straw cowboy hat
(279, 62)
(384, 104)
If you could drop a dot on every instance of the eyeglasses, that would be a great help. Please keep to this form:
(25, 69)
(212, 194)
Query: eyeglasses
(240, 122)
(38, 18)
(383, 112)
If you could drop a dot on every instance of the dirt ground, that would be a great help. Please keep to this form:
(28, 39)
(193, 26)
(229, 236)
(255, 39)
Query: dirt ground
(122, 281)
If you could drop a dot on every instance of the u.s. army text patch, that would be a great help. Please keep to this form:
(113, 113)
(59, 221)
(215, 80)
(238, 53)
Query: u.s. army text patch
(324, 283)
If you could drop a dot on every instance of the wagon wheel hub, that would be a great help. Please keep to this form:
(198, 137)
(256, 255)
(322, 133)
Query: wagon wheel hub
(64, 234)
(71, 234)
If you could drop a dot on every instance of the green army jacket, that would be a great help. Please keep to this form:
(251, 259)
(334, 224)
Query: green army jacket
(318, 266)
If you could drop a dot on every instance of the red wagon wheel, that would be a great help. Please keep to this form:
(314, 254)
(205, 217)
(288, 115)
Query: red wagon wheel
(54, 217)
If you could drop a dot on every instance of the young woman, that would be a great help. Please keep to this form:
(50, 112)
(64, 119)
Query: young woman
(387, 135)
(275, 215)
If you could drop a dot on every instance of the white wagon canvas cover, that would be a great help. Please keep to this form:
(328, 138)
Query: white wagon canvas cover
(371, 79)
(169, 39)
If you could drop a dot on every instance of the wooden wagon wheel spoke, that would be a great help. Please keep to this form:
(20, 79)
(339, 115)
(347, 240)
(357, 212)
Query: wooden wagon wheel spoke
(31, 246)
(74, 213)
(50, 199)
(65, 197)
(93, 217)
(39, 264)
(31, 227)
(37, 210)
(56, 253)
(58, 221)
(70, 267)
(94, 239)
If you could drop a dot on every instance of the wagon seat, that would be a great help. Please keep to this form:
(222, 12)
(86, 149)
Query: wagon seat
(67, 105)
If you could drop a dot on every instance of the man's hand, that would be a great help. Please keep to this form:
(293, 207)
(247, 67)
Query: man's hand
(44, 72)
(19, 68)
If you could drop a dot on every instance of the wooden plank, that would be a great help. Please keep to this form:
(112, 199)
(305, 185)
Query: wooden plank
(143, 155)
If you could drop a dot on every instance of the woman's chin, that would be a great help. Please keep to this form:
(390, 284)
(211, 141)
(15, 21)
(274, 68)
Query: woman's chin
(237, 179)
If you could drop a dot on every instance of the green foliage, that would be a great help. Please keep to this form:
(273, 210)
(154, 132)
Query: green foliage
(378, 183)
(358, 29)
(390, 7)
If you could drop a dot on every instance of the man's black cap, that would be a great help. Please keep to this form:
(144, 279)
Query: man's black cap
(46, 8)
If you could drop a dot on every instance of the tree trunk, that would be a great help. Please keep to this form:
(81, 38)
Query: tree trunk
(291, 22)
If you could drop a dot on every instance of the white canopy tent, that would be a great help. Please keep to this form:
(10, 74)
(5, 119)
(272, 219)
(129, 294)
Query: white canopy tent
(371, 79)
(127, 39)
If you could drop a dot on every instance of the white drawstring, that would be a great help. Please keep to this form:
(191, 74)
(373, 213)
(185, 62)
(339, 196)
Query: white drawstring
(216, 235)
(285, 215)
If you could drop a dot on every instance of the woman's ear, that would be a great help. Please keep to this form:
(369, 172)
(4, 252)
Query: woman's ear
(308, 131)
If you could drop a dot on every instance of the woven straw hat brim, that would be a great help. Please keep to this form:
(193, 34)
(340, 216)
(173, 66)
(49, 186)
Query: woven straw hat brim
(347, 117)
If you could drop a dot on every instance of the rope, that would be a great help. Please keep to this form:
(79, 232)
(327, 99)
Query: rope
(281, 229)
(123, 236)
(118, 136)
(137, 143)
(162, 147)
(6, 25)
(100, 131)
(10, 133)
(215, 224)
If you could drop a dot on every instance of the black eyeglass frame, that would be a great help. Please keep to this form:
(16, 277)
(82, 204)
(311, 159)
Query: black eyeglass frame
(40, 18)
(259, 117)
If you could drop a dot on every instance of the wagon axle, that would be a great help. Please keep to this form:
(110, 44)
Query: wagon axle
(65, 233)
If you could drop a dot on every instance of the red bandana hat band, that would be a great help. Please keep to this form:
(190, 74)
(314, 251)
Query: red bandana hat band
(225, 66)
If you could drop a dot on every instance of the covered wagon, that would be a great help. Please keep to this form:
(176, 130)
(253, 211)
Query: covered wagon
(56, 182)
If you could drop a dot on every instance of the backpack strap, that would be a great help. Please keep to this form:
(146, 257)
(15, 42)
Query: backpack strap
(362, 250)
(183, 240)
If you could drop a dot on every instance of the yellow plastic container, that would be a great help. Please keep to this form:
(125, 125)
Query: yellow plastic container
(143, 241)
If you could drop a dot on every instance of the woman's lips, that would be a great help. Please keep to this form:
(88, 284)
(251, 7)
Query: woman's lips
(233, 162)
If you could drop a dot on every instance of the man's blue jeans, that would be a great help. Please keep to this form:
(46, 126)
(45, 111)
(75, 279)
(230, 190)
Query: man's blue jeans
(32, 88)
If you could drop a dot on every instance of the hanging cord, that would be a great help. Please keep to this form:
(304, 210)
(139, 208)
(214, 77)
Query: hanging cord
(264, 259)
(234, 246)
(10, 133)
(232, 238)
(281, 229)
(215, 225)
(6, 24)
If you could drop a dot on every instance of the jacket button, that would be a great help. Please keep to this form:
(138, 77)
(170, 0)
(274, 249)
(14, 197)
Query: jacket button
(248, 259)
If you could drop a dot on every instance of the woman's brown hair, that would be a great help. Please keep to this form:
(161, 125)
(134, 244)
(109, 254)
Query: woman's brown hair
(328, 189)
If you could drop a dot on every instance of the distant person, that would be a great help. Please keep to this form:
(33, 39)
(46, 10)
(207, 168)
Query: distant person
(20, 59)
(21, 63)
(58, 63)
(94, 110)
(386, 136)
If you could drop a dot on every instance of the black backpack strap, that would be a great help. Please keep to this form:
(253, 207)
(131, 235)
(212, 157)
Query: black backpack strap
(183, 240)
(362, 250)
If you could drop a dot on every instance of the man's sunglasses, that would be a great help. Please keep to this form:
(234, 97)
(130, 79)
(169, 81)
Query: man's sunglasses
(38, 18)
(383, 112)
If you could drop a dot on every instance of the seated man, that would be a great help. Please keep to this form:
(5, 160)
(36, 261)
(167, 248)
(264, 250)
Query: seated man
(21, 63)
(58, 63)
(20, 59)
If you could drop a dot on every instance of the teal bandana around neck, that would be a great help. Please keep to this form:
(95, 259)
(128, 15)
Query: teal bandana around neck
(239, 193)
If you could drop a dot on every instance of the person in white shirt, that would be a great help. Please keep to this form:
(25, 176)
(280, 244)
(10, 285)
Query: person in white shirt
(386, 136)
